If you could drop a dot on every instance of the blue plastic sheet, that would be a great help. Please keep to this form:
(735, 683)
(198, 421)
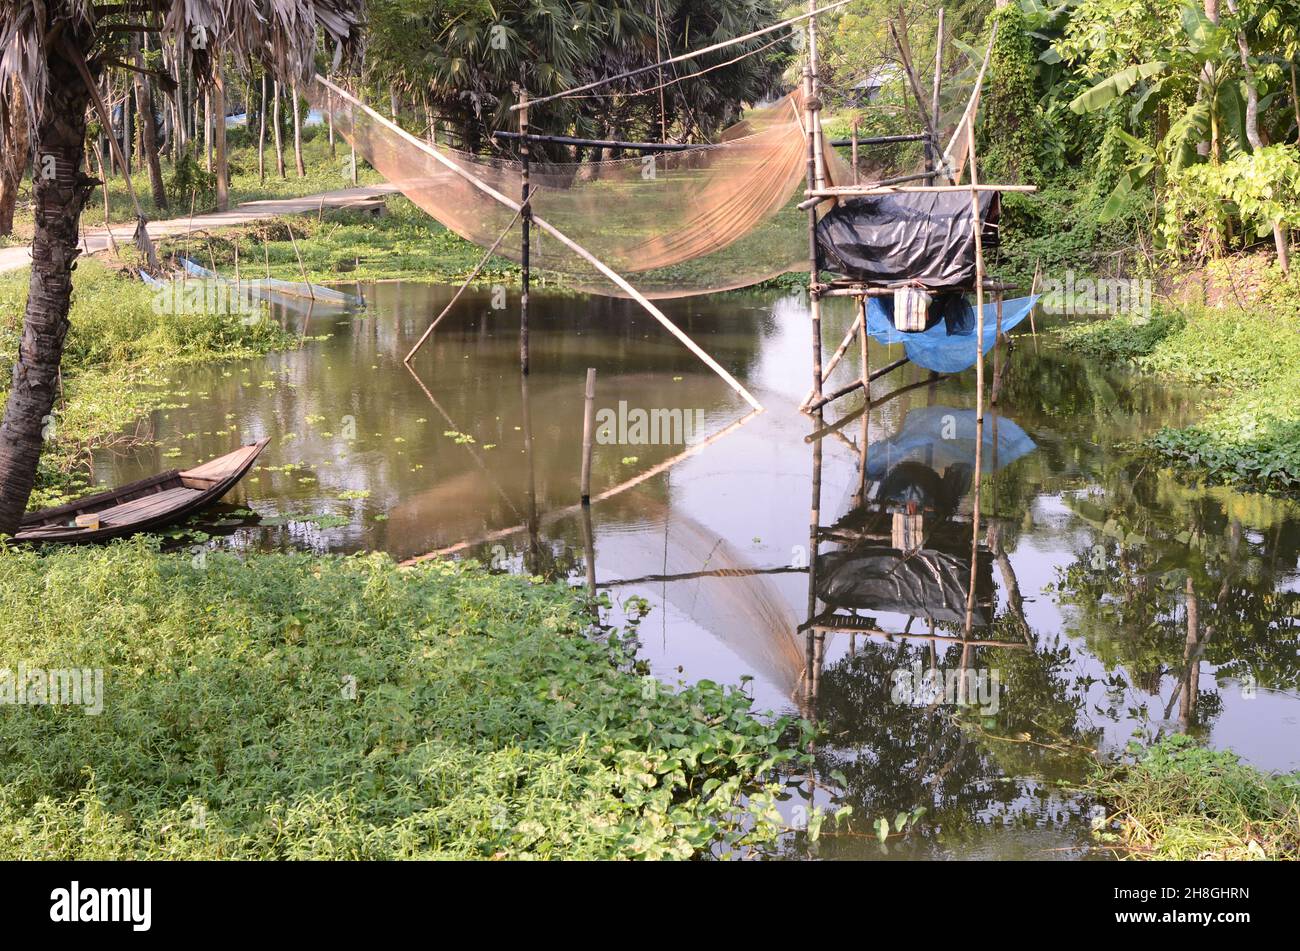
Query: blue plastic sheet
(950, 345)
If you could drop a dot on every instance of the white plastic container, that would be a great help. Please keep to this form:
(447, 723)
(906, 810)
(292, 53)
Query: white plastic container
(911, 309)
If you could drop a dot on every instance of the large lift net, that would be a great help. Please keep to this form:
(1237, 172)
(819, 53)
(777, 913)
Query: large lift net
(708, 218)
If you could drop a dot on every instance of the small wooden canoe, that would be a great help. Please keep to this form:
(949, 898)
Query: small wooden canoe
(141, 506)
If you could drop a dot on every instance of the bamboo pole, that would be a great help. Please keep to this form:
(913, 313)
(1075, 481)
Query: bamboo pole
(855, 385)
(999, 362)
(589, 552)
(816, 180)
(487, 256)
(864, 348)
(905, 54)
(301, 270)
(564, 239)
(835, 359)
(526, 215)
(938, 74)
(978, 228)
(854, 143)
(816, 195)
(588, 434)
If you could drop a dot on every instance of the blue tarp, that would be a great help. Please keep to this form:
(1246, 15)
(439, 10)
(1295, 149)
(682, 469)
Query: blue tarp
(942, 436)
(948, 346)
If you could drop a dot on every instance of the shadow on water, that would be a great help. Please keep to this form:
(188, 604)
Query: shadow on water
(969, 674)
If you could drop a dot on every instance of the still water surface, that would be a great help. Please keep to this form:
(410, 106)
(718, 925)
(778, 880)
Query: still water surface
(1118, 601)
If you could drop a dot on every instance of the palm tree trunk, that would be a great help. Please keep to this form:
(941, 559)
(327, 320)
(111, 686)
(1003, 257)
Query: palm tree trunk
(218, 101)
(61, 135)
(15, 149)
(279, 132)
(297, 135)
(148, 137)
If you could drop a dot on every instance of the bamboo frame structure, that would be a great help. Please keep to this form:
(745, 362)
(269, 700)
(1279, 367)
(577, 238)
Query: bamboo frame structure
(937, 162)
(526, 220)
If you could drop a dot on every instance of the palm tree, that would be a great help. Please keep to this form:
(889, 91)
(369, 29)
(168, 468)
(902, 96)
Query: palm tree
(53, 53)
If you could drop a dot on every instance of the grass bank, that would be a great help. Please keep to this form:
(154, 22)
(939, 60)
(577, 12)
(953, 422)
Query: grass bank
(405, 243)
(286, 706)
(1249, 356)
(324, 172)
(1177, 800)
(118, 344)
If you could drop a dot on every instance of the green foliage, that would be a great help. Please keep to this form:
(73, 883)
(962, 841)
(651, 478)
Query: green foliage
(285, 706)
(1121, 339)
(466, 57)
(1255, 189)
(1060, 227)
(1176, 800)
(190, 184)
(1250, 434)
(1009, 127)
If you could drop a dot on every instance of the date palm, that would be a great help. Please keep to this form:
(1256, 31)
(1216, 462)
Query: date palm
(51, 53)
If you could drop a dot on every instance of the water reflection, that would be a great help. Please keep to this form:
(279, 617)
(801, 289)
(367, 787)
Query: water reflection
(1110, 598)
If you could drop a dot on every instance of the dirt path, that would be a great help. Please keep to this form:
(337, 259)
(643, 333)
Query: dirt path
(11, 259)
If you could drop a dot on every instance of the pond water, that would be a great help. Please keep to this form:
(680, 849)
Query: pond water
(1110, 599)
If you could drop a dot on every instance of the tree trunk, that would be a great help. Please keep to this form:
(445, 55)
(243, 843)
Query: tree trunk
(297, 135)
(261, 134)
(1280, 236)
(148, 137)
(329, 117)
(218, 100)
(15, 153)
(61, 136)
(128, 130)
(279, 132)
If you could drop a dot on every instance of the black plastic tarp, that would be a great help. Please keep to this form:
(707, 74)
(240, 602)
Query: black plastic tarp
(914, 238)
(925, 583)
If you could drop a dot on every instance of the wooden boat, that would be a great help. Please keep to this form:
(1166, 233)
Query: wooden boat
(143, 505)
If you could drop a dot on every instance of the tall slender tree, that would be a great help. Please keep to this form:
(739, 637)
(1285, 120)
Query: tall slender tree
(15, 155)
(148, 131)
(279, 132)
(55, 50)
(296, 102)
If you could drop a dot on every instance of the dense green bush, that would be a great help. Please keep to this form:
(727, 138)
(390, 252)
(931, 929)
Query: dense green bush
(190, 184)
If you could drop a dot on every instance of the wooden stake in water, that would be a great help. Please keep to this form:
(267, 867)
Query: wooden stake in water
(588, 434)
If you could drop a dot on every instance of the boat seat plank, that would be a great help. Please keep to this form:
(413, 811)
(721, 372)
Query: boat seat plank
(221, 468)
(150, 505)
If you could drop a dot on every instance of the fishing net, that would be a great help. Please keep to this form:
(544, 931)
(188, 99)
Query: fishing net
(709, 218)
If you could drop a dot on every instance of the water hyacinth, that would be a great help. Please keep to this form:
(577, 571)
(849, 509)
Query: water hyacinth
(286, 706)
